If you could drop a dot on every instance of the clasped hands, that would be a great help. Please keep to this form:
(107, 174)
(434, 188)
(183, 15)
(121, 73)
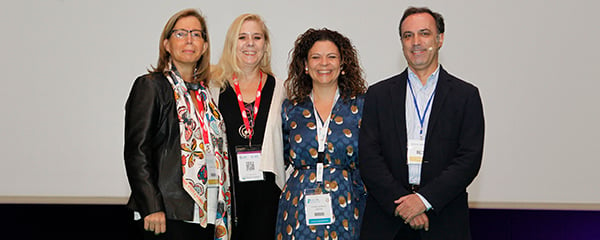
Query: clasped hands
(412, 211)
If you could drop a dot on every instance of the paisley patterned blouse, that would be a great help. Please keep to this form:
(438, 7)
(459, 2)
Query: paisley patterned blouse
(341, 176)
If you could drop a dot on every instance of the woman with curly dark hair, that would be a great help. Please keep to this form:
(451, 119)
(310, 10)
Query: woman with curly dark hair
(324, 196)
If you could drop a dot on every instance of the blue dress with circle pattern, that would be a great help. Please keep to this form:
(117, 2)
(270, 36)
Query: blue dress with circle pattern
(341, 176)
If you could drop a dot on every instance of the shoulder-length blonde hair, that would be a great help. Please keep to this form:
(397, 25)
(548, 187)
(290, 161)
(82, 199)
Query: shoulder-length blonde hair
(228, 65)
(203, 65)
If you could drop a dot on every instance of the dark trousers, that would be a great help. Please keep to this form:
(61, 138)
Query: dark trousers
(177, 230)
(407, 233)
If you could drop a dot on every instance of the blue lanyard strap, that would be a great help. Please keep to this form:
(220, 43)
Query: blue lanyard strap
(421, 119)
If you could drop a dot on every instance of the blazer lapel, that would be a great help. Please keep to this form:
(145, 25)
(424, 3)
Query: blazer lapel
(441, 91)
(398, 102)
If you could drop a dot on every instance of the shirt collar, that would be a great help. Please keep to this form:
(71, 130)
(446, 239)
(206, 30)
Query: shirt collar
(431, 80)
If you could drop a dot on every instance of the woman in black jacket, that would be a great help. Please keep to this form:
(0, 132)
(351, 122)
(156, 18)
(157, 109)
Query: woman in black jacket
(175, 146)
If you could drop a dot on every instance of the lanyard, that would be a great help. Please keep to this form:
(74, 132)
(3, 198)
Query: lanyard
(238, 92)
(322, 127)
(421, 119)
(200, 115)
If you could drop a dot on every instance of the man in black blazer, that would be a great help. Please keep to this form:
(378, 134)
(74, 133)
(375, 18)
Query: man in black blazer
(421, 142)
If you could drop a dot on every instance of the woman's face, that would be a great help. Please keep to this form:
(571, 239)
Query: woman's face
(250, 44)
(186, 43)
(323, 63)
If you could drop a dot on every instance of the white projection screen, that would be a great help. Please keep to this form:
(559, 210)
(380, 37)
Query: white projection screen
(68, 67)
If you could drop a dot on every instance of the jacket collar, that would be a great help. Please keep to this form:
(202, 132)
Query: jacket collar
(398, 100)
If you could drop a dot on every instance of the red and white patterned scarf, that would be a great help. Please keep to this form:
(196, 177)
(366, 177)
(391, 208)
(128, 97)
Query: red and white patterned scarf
(193, 148)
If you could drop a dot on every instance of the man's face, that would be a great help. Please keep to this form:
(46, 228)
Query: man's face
(421, 42)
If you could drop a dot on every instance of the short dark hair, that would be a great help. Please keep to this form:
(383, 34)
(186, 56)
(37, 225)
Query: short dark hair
(439, 20)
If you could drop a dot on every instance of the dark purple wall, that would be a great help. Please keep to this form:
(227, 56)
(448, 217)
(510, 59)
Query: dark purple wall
(40, 221)
(492, 224)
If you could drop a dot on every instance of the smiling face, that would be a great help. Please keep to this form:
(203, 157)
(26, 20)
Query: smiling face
(421, 42)
(250, 44)
(186, 51)
(324, 63)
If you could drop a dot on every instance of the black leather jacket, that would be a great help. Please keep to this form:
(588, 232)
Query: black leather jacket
(152, 150)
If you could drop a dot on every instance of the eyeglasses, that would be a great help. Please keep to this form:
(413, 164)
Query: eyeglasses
(183, 33)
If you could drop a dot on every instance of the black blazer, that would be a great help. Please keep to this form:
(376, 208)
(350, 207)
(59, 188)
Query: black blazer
(152, 150)
(452, 158)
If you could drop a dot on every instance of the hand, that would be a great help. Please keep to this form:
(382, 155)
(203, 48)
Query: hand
(409, 206)
(155, 222)
(421, 221)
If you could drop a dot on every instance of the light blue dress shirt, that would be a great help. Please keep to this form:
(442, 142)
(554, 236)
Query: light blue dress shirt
(422, 93)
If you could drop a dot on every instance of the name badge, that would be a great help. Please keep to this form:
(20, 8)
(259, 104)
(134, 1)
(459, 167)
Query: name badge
(248, 161)
(212, 194)
(317, 206)
(416, 149)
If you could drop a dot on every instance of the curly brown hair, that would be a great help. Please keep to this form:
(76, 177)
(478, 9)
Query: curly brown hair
(299, 84)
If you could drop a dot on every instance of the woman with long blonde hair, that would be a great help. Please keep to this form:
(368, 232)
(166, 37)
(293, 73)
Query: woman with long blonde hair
(250, 101)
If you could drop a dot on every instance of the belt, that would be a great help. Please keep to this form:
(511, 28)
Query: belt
(414, 187)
